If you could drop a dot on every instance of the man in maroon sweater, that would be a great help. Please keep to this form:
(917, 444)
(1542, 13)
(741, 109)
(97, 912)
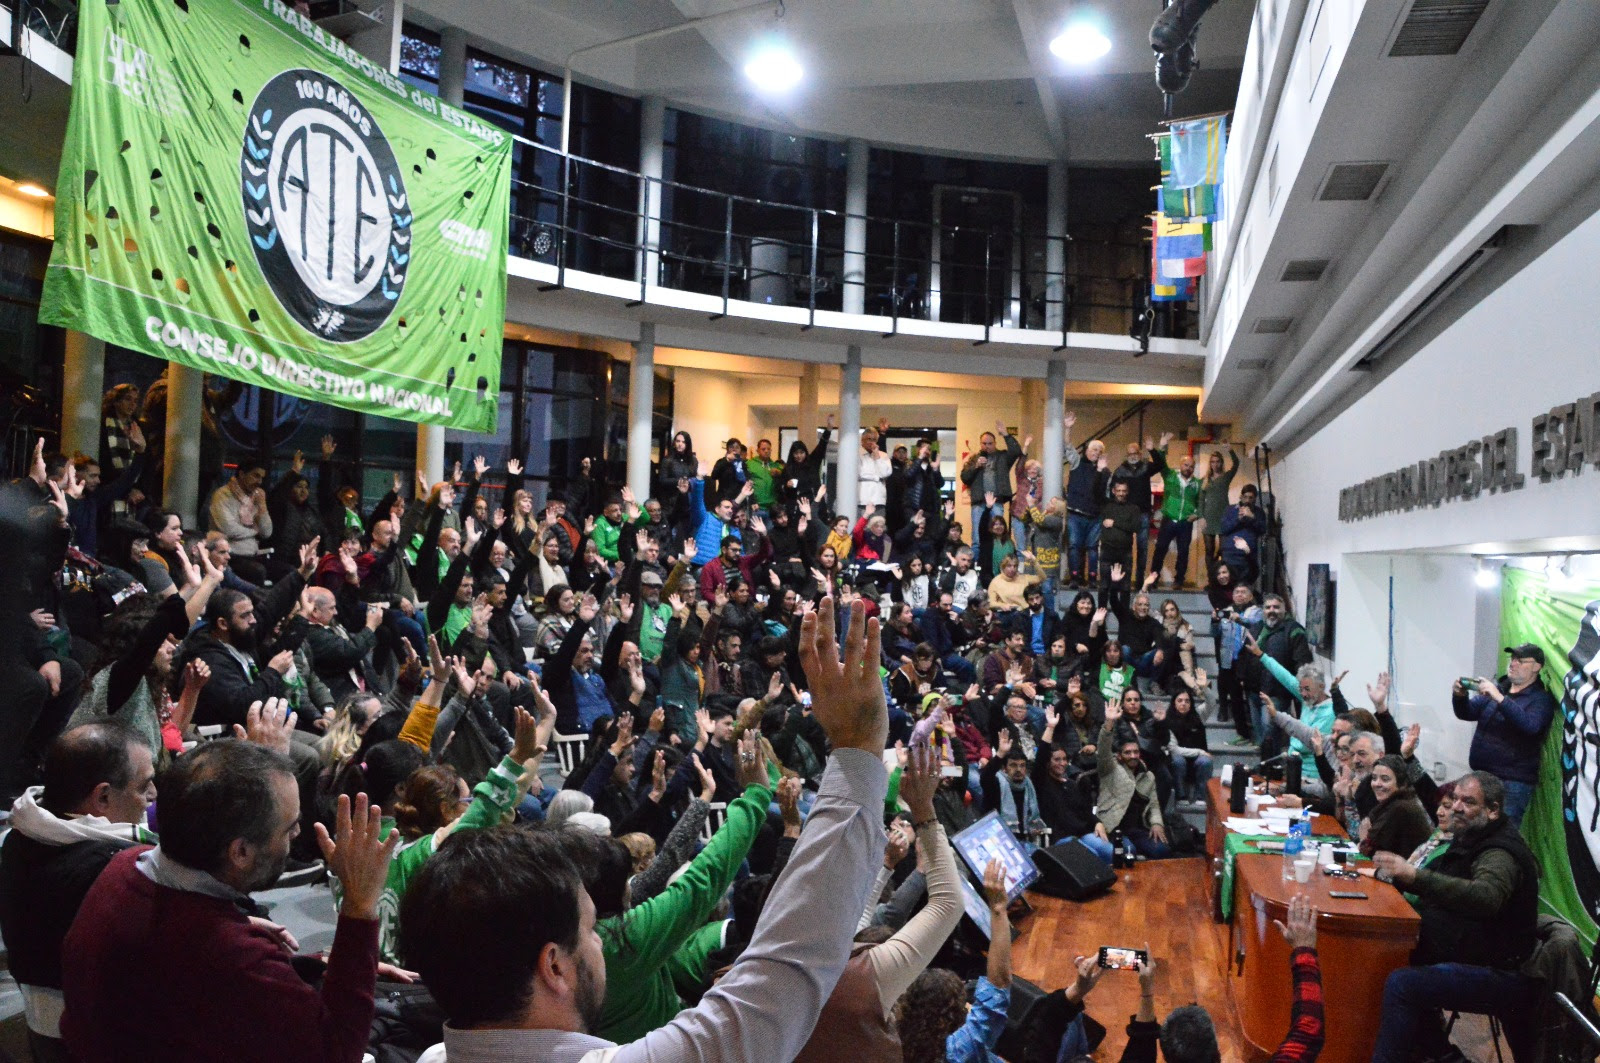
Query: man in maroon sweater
(168, 959)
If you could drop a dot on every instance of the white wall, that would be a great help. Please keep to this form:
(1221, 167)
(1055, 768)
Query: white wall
(1522, 350)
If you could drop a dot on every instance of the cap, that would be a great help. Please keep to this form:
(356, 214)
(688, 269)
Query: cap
(649, 578)
(930, 702)
(1527, 651)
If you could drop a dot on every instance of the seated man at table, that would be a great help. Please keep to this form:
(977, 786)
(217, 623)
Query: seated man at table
(1479, 904)
(1128, 800)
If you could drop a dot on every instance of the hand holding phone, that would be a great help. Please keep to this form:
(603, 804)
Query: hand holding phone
(1117, 959)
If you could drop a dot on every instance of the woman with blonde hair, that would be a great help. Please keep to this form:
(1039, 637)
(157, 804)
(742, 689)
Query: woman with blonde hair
(351, 717)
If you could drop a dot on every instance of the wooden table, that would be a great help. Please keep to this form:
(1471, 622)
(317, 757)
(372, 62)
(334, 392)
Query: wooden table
(1216, 830)
(1359, 942)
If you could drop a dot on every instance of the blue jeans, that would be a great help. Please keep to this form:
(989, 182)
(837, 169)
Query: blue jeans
(1147, 845)
(1019, 534)
(1098, 846)
(1518, 797)
(1413, 997)
(1141, 550)
(1083, 543)
(1181, 533)
(1190, 775)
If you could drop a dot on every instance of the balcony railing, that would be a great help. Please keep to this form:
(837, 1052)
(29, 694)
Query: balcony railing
(580, 214)
(595, 217)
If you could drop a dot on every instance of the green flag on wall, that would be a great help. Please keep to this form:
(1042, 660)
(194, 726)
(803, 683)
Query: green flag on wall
(243, 194)
(1562, 825)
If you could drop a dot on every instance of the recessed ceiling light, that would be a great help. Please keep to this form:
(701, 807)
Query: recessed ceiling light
(773, 68)
(28, 188)
(1081, 42)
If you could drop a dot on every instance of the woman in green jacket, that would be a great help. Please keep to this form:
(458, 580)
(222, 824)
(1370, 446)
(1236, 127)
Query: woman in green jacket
(639, 941)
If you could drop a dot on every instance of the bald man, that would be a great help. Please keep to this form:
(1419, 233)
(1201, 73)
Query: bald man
(341, 660)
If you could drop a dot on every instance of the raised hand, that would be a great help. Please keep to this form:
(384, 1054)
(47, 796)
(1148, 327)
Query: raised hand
(1301, 931)
(1268, 704)
(196, 674)
(788, 795)
(625, 608)
(848, 699)
(437, 661)
(479, 467)
(328, 447)
(1089, 973)
(919, 781)
(1113, 714)
(308, 557)
(513, 467)
(358, 855)
(752, 761)
(900, 841)
(298, 462)
(658, 775)
(526, 746)
(1003, 742)
(708, 781)
(267, 724)
(1069, 419)
(702, 722)
(588, 609)
(994, 886)
(1117, 571)
(1408, 745)
(1379, 693)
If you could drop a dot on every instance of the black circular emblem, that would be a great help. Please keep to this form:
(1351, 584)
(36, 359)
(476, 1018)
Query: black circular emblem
(325, 205)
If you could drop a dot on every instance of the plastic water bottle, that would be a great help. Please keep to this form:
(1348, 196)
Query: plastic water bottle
(1293, 845)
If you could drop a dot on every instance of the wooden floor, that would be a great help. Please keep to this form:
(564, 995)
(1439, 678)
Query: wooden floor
(1162, 904)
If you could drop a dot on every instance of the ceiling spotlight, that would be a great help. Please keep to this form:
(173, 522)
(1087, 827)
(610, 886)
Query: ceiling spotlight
(1487, 576)
(773, 68)
(28, 188)
(1081, 42)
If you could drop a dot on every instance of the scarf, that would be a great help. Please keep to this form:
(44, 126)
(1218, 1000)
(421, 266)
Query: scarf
(1008, 805)
(34, 821)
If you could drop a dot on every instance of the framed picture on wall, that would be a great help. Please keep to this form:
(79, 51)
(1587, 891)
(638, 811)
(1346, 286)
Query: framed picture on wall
(1319, 607)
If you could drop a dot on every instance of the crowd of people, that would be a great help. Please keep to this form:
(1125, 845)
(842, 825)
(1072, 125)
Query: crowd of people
(578, 770)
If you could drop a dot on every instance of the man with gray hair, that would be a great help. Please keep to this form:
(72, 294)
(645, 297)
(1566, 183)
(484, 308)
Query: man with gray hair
(1309, 690)
(341, 660)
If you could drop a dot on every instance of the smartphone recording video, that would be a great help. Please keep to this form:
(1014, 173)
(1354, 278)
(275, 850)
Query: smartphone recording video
(1114, 959)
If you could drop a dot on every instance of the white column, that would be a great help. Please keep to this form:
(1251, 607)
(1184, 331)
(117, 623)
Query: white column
(810, 378)
(452, 66)
(452, 86)
(1055, 383)
(180, 478)
(83, 380)
(845, 498)
(1055, 253)
(641, 404)
(652, 150)
(855, 227)
(380, 42)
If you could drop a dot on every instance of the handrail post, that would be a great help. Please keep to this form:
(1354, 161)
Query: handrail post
(561, 247)
(641, 252)
(727, 256)
(1066, 306)
(894, 285)
(988, 310)
(811, 288)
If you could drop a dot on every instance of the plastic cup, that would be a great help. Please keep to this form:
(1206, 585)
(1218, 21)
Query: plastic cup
(1303, 866)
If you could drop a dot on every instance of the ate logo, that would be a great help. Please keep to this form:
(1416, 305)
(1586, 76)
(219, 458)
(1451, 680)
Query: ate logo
(325, 205)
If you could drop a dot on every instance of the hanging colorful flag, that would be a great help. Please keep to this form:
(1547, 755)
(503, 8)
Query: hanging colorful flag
(1180, 247)
(1168, 289)
(1200, 201)
(1197, 152)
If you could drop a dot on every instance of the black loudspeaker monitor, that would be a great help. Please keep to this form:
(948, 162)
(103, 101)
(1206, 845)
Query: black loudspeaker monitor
(1236, 792)
(1026, 1008)
(1070, 870)
(1291, 775)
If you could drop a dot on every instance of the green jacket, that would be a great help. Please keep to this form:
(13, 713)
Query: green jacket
(1180, 501)
(639, 993)
(764, 476)
(606, 535)
(492, 799)
(653, 626)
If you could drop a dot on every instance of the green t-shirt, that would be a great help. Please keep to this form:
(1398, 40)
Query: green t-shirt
(652, 629)
(764, 476)
(1113, 681)
(639, 943)
(492, 799)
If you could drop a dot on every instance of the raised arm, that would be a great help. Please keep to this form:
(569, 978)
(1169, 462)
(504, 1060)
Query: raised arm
(800, 947)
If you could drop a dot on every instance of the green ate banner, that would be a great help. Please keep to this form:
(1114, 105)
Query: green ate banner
(1563, 823)
(243, 194)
